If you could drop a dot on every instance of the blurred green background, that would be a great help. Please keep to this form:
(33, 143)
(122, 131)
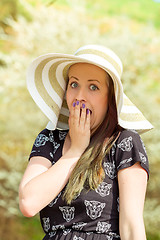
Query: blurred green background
(34, 27)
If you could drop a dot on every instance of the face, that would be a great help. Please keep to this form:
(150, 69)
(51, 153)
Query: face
(89, 84)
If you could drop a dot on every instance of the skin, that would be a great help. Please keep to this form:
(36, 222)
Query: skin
(39, 172)
(132, 183)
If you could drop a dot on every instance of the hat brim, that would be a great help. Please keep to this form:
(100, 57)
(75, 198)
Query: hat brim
(47, 78)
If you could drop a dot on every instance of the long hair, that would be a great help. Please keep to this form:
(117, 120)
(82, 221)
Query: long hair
(88, 172)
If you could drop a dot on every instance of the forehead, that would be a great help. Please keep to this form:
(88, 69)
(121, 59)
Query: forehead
(87, 70)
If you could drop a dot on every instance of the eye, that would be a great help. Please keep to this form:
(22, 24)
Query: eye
(74, 84)
(93, 87)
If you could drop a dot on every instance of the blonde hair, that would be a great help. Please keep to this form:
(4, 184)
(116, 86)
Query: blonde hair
(88, 172)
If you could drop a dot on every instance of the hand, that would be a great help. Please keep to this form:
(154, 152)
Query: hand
(79, 127)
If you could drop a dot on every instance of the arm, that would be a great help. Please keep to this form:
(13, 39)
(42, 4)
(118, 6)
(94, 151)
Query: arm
(132, 188)
(42, 182)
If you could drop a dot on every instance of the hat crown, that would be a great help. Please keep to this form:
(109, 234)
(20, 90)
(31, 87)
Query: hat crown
(101, 55)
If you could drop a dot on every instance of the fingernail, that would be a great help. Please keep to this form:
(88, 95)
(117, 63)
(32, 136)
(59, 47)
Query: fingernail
(87, 111)
(74, 104)
(83, 105)
(77, 102)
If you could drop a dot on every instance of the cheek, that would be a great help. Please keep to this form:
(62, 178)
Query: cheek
(102, 102)
(69, 98)
(102, 107)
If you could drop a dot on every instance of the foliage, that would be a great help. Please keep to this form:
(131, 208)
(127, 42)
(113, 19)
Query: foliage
(57, 28)
(11, 9)
(140, 11)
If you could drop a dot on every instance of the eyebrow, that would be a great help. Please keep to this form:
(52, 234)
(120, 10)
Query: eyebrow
(93, 80)
(89, 80)
(73, 77)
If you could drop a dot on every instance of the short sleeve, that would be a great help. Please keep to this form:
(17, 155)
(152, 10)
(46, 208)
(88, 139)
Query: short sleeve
(45, 145)
(130, 149)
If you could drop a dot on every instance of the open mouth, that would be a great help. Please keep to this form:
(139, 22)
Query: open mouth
(87, 109)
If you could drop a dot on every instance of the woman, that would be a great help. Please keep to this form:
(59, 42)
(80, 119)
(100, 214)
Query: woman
(88, 169)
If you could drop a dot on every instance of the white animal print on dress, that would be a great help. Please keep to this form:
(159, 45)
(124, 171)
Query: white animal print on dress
(126, 144)
(94, 208)
(56, 227)
(66, 231)
(41, 140)
(113, 149)
(104, 189)
(33, 151)
(46, 224)
(112, 235)
(89, 233)
(78, 226)
(124, 162)
(51, 234)
(143, 158)
(109, 237)
(51, 137)
(55, 146)
(54, 201)
(103, 227)
(51, 154)
(67, 212)
(62, 135)
(77, 238)
(110, 169)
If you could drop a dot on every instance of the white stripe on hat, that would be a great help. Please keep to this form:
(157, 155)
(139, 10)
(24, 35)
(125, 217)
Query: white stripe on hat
(130, 109)
(137, 125)
(102, 49)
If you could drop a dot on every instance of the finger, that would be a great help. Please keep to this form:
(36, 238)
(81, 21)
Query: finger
(77, 113)
(88, 115)
(83, 115)
(71, 114)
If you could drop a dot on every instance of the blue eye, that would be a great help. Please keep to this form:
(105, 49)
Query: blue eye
(74, 84)
(93, 87)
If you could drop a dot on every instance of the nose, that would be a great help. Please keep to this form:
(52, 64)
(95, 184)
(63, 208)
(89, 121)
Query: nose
(81, 95)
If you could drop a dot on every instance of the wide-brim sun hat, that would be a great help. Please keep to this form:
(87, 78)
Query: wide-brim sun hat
(47, 78)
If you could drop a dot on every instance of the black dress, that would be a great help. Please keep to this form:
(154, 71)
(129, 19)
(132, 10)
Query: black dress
(94, 214)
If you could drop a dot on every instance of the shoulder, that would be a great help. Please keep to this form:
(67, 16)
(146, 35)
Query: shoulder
(128, 133)
(128, 138)
(129, 149)
(47, 140)
(47, 143)
(51, 135)
(44, 136)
